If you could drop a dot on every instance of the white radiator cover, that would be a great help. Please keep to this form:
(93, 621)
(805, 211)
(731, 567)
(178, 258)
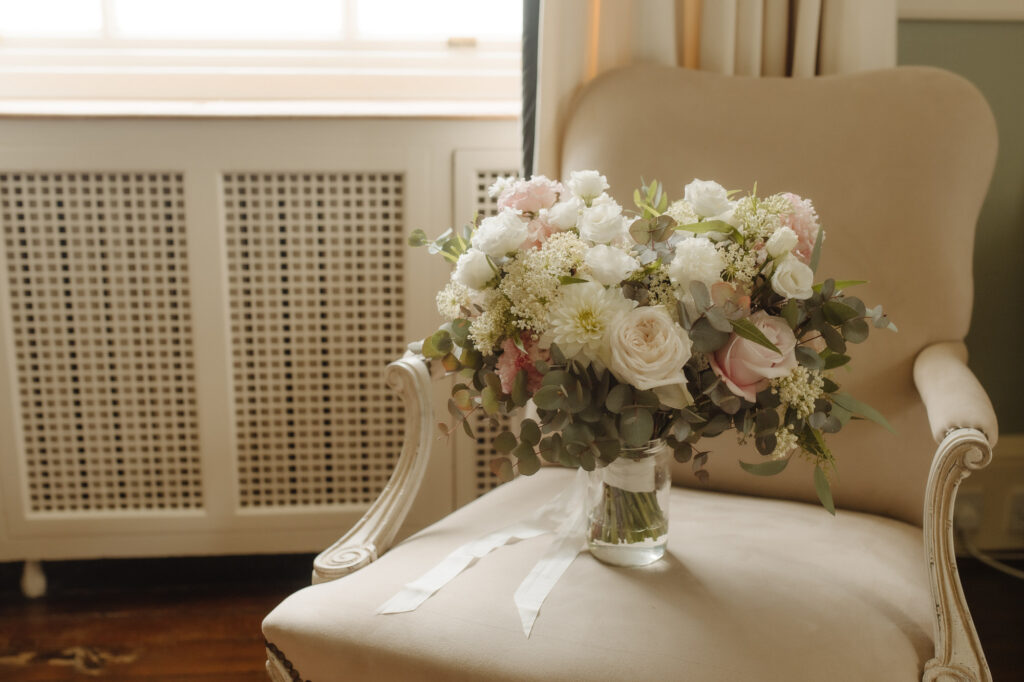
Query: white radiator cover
(194, 320)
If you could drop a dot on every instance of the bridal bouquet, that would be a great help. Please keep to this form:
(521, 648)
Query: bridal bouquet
(669, 323)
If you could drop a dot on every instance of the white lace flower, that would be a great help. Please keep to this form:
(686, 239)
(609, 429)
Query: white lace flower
(682, 212)
(452, 299)
(581, 317)
(696, 259)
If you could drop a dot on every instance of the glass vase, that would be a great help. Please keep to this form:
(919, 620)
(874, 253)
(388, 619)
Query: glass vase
(627, 506)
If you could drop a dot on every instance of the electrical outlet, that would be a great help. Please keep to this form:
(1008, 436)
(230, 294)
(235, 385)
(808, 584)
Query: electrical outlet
(1015, 512)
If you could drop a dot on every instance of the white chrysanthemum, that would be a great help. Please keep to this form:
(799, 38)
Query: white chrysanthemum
(698, 260)
(531, 279)
(800, 389)
(759, 218)
(487, 330)
(581, 317)
(452, 299)
(682, 212)
(610, 265)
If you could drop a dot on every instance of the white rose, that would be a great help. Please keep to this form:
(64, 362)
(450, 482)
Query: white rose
(497, 235)
(696, 259)
(782, 242)
(792, 278)
(587, 184)
(602, 223)
(565, 214)
(707, 197)
(473, 269)
(610, 265)
(647, 349)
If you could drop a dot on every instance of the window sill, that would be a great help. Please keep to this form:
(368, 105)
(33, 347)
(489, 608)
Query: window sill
(81, 108)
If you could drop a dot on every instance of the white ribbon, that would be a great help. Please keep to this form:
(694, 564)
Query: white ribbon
(564, 514)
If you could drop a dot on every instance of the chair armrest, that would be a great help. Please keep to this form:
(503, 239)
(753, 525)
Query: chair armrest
(375, 532)
(951, 393)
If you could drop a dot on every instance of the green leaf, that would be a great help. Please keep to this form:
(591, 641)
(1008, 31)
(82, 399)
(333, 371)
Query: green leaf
(489, 401)
(519, 392)
(833, 339)
(460, 331)
(529, 432)
(816, 253)
(769, 468)
(824, 491)
(636, 426)
(620, 396)
(718, 320)
(707, 226)
(566, 279)
(808, 358)
(505, 442)
(527, 460)
(707, 339)
(701, 295)
(856, 331)
(837, 313)
(557, 356)
(502, 468)
(418, 238)
(748, 330)
(549, 398)
(842, 284)
(834, 360)
(437, 345)
(848, 402)
(791, 313)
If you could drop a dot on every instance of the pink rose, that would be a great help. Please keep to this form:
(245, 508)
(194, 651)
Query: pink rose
(530, 196)
(804, 221)
(746, 367)
(512, 360)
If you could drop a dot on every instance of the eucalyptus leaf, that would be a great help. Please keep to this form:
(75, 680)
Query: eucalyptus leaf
(791, 313)
(806, 356)
(618, 397)
(549, 398)
(833, 339)
(527, 460)
(848, 402)
(769, 468)
(529, 432)
(636, 426)
(705, 338)
(701, 295)
(748, 330)
(837, 313)
(716, 316)
(856, 331)
(504, 442)
(824, 490)
(816, 253)
(519, 392)
(489, 401)
(418, 238)
(502, 468)
(460, 331)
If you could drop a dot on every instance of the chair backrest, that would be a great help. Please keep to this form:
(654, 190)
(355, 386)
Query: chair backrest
(897, 163)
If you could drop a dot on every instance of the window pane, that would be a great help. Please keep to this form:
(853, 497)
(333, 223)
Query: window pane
(410, 19)
(229, 19)
(51, 18)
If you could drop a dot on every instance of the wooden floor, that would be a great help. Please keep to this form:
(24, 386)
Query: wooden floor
(192, 619)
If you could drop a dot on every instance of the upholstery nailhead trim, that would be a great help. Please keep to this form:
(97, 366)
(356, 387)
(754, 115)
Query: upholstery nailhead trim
(292, 672)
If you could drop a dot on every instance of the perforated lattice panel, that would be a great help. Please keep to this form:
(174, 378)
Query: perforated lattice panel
(100, 318)
(483, 429)
(315, 263)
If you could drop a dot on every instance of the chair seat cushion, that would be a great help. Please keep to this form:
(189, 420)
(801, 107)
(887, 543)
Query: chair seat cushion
(751, 589)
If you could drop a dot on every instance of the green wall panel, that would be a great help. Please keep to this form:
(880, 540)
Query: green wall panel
(990, 55)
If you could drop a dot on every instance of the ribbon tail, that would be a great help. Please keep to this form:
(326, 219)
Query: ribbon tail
(563, 551)
(418, 591)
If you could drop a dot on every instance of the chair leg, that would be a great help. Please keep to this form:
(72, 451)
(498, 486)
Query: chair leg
(33, 580)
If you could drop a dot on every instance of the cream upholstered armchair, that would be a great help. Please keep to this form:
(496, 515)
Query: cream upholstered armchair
(760, 583)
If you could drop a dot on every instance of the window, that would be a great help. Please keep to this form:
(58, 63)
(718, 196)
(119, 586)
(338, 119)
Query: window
(261, 49)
